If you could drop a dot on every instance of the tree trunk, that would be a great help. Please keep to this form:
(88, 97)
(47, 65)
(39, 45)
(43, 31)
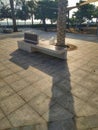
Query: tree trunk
(61, 22)
(32, 20)
(13, 16)
(7, 21)
(44, 24)
(97, 26)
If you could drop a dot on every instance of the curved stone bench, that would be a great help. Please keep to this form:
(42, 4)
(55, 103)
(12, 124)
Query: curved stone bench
(31, 45)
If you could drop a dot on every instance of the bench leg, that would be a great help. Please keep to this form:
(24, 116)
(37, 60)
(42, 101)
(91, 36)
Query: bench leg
(25, 47)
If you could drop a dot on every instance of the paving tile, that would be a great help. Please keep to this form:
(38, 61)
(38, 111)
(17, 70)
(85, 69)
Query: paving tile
(87, 110)
(25, 73)
(80, 72)
(66, 85)
(41, 103)
(5, 92)
(89, 84)
(5, 73)
(32, 78)
(41, 127)
(56, 112)
(1, 114)
(43, 84)
(20, 84)
(62, 125)
(12, 78)
(93, 77)
(30, 127)
(4, 124)
(94, 129)
(81, 92)
(2, 68)
(14, 68)
(11, 104)
(70, 103)
(87, 122)
(25, 116)
(54, 92)
(29, 92)
(93, 100)
(2, 83)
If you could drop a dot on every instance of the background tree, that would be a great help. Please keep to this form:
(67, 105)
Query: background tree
(46, 9)
(41, 12)
(31, 8)
(52, 11)
(96, 16)
(13, 15)
(5, 11)
(84, 12)
(96, 13)
(22, 12)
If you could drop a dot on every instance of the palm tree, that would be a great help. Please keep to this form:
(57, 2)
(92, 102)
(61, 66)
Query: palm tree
(13, 16)
(61, 22)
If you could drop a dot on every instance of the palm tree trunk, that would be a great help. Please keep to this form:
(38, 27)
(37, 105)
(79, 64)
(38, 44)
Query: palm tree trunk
(61, 22)
(13, 16)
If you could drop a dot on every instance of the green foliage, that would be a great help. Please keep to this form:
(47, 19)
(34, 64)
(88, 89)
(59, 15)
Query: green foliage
(96, 12)
(84, 12)
(46, 9)
(72, 21)
(23, 12)
(5, 11)
(31, 6)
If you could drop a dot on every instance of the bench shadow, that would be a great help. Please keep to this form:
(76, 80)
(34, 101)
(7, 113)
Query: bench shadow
(61, 107)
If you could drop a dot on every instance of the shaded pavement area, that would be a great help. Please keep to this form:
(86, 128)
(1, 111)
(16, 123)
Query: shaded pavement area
(40, 92)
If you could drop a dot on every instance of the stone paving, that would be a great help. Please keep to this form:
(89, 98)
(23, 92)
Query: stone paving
(40, 92)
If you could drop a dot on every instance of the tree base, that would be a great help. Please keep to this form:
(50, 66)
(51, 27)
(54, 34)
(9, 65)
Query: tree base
(69, 47)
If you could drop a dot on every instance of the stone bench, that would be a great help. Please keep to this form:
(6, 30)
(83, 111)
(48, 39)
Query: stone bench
(52, 50)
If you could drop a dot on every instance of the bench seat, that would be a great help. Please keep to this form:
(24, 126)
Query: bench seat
(52, 50)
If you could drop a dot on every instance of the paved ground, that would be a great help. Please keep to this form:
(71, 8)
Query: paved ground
(39, 92)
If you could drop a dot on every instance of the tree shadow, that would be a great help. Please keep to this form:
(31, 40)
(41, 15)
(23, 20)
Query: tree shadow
(61, 107)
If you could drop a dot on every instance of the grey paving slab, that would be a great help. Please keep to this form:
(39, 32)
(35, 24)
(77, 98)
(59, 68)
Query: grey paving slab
(56, 112)
(11, 78)
(11, 103)
(87, 122)
(93, 100)
(19, 85)
(1, 114)
(2, 83)
(25, 116)
(5, 91)
(95, 129)
(28, 93)
(81, 92)
(41, 103)
(5, 73)
(4, 124)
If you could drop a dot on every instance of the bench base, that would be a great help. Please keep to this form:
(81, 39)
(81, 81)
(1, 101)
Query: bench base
(47, 49)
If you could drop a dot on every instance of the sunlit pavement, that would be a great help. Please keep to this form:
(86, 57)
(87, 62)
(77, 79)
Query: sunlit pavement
(39, 92)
